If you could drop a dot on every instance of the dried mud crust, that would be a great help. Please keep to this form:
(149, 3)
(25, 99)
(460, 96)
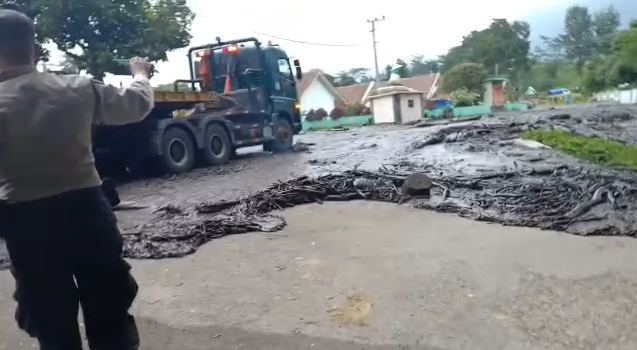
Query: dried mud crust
(477, 168)
(564, 199)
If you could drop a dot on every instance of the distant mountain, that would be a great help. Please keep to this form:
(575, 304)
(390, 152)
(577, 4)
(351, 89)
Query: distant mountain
(550, 21)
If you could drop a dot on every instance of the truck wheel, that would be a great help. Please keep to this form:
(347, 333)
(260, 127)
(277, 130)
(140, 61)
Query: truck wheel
(217, 147)
(283, 137)
(178, 154)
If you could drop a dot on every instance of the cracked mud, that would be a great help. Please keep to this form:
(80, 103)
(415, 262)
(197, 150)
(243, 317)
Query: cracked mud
(479, 169)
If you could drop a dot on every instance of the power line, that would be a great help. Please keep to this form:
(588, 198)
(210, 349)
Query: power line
(305, 42)
(373, 23)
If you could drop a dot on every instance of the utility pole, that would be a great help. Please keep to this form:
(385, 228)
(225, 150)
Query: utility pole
(373, 23)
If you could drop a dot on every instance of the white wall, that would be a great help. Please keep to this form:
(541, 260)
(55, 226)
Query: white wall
(383, 109)
(621, 96)
(411, 114)
(317, 96)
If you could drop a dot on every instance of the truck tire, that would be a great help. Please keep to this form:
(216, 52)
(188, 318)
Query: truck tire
(217, 147)
(283, 137)
(178, 154)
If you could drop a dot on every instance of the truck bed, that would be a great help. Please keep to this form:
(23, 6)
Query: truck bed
(168, 101)
(184, 96)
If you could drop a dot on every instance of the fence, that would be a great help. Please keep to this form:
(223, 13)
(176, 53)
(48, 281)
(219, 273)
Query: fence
(472, 111)
(621, 96)
(329, 123)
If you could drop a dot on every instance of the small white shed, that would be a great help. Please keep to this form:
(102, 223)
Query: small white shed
(397, 105)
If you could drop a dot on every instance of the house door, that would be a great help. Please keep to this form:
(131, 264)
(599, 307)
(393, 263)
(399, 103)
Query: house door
(398, 116)
(498, 96)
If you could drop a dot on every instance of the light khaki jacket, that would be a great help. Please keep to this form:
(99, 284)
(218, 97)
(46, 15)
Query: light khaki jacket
(45, 129)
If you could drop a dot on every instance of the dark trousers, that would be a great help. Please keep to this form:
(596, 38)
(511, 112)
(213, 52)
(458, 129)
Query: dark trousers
(66, 251)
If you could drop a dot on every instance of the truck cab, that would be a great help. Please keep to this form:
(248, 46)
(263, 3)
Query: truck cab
(240, 93)
(256, 76)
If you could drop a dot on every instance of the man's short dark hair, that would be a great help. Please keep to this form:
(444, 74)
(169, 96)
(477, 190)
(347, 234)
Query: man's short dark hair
(17, 37)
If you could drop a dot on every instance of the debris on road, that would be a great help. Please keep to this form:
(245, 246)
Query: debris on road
(562, 198)
(476, 169)
(416, 185)
(558, 194)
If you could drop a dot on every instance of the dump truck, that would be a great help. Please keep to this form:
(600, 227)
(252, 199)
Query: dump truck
(240, 93)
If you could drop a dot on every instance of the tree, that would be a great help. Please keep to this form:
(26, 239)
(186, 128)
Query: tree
(503, 45)
(467, 76)
(433, 66)
(91, 33)
(457, 55)
(584, 35)
(350, 77)
(605, 26)
(546, 74)
(68, 67)
(418, 66)
(625, 47)
(386, 72)
(578, 39)
(344, 79)
(599, 74)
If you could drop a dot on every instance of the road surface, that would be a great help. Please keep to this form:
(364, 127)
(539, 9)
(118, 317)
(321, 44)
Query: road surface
(365, 275)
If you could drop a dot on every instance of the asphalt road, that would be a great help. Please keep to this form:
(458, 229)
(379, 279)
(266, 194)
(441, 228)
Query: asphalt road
(365, 275)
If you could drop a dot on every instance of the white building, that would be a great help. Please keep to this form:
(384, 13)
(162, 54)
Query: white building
(397, 105)
(315, 92)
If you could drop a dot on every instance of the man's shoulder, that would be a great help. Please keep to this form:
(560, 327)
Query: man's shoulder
(66, 80)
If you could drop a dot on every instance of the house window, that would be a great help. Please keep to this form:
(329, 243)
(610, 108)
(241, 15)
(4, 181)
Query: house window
(410, 103)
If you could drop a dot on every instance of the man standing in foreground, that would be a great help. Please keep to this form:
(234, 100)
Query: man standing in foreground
(60, 231)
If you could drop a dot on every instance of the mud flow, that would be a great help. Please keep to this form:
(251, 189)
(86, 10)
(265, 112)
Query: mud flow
(477, 169)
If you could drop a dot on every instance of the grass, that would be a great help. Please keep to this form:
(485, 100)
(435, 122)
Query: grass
(593, 149)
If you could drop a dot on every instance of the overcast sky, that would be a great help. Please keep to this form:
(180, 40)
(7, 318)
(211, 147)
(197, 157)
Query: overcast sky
(411, 27)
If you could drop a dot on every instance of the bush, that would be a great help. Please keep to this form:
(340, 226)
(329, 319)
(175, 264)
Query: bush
(463, 98)
(366, 111)
(312, 116)
(321, 114)
(337, 113)
(596, 150)
(354, 109)
(578, 98)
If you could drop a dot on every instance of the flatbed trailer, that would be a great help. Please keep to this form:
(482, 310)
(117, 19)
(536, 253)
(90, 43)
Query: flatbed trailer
(206, 126)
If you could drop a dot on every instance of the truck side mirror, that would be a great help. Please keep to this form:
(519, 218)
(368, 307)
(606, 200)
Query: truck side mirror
(299, 72)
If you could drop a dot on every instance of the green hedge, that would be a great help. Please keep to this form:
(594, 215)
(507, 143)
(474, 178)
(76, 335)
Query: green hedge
(326, 124)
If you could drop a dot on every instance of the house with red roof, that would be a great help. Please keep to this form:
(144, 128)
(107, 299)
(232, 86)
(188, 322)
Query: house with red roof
(359, 93)
(315, 92)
